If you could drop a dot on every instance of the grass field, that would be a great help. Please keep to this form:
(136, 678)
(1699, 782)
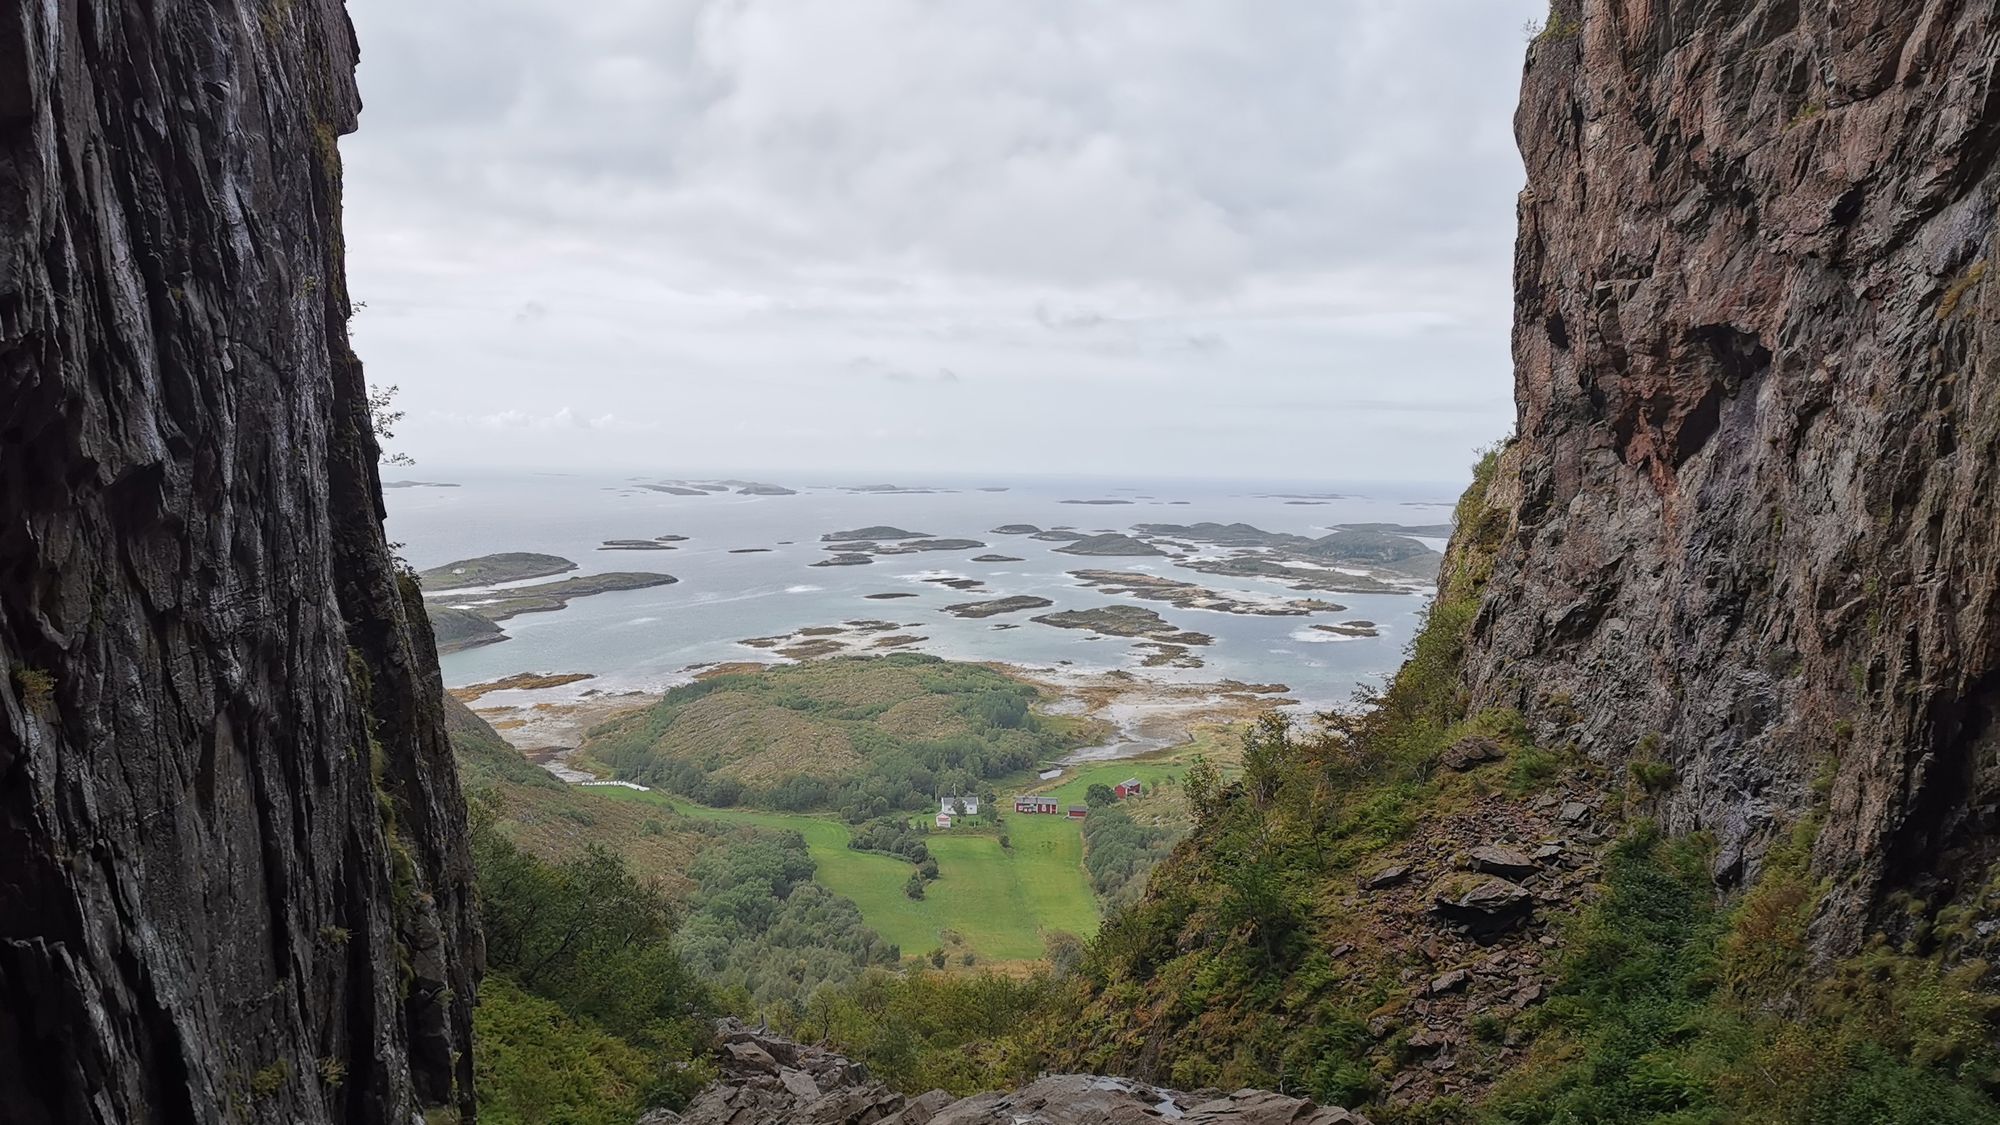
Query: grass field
(1161, 772)
(1001, 902)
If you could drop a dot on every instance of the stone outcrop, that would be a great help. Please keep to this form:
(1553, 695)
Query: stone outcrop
(233, 878)
(770, 1080)
(1757, 344)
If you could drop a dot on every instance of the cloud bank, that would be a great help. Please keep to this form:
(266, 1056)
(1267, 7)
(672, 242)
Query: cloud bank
(1207, 238)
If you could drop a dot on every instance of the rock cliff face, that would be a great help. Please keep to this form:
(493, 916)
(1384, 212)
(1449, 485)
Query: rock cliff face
(233, 878)
(1755, 533)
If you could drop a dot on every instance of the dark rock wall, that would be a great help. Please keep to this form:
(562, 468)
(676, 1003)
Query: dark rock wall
(233, 876)
(1755, 530)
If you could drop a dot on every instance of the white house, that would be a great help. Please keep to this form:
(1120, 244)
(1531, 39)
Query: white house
(968, 805)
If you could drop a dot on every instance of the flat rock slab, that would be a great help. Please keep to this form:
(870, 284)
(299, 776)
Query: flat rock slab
(1501, 860)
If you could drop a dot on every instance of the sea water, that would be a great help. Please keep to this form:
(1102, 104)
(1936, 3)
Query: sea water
(651, 639)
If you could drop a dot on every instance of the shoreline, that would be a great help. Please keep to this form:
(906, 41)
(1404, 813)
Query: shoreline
(544, 717)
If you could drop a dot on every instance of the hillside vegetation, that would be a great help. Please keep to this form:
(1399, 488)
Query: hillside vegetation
(617, 926)
(863, 736)
(1418, 912)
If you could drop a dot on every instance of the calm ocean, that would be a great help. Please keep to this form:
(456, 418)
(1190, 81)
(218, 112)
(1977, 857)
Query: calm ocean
(647, 639)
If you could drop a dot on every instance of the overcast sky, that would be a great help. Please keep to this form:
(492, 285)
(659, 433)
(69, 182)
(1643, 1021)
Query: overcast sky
(1209, 238)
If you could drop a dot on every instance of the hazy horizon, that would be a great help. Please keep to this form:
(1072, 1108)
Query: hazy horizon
(890, 237)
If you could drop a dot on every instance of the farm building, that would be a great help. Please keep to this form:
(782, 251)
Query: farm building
(944, 820)
(1033, 805)
(967, 805)
(1129, 787)
(1078, 812)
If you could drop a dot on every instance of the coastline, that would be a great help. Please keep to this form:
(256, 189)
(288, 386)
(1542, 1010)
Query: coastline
(547, 716)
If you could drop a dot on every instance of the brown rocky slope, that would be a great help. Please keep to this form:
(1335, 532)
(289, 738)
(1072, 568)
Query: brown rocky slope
(771, 1080)
(233, 876)
(1753, 530)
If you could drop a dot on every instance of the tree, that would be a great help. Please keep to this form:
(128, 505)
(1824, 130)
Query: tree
(915, 888)
(1266, 748)
(383, 416)
(1099, 795)
(1204, 790)
(1066, 952)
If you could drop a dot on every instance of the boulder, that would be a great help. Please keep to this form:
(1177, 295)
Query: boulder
(1501, 860)
(1482, 905)
(1383, 878)
(1471, 751)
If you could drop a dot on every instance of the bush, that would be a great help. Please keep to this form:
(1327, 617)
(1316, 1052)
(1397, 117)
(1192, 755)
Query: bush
(534, 1062)
(580, 964)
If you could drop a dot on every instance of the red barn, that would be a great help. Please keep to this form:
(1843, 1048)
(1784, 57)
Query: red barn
(1033, 805)
(1078, 812)
(1129, 787)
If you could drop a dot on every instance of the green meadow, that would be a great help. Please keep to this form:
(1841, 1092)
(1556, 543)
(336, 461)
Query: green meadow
(1002, 903)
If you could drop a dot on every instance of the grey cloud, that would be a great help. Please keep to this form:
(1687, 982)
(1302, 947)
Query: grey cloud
(1199, 203)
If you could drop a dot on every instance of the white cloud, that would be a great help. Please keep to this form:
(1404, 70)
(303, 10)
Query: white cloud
(702, 212)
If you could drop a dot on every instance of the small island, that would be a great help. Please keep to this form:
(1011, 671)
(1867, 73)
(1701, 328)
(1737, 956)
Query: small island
(1016, 604)
(460, 629)
(1358, 546)
(1015, 529)
(470, 617)
(1187, 595)
(488, 570)
(544, 597)
(1351, 629)
(914, 546)
(871, 535)
(1426, 530)
(846, 560)
(1110, 545)
(1123, 621)
(997, 559)
(636, 545)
